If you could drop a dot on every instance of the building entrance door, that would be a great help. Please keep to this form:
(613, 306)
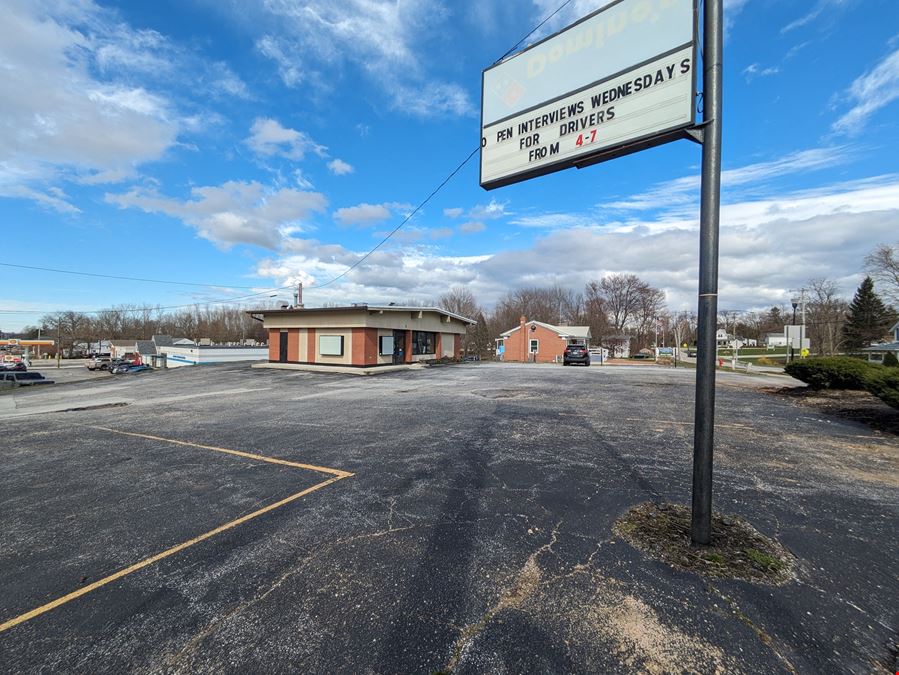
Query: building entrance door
(282, 347)
(399, 346)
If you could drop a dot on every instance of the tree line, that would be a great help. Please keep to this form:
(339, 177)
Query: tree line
(617, 304)
(624, 304)
(223, 325)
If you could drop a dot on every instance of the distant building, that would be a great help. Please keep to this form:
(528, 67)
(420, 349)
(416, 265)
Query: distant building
(175, 356)
(539, 342)
(876, 353)
(776, 340)
(619, 346)
(361, 336)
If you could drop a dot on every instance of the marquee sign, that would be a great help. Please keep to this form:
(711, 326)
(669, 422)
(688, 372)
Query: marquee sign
(619, 80)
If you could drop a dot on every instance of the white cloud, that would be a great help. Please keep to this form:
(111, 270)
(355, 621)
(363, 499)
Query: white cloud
(683, 193)
(754, 70)
(767, 247)
(553, 221)
(340, 168)
(578, 9)
(289, 67)
(870, 92)
(471, 227)
(434, 99)
(388, 42)
(233, 213)
(362, 214)
(58, 119)
(490, 211)
(822, 7)
(269, 138)
(454, 212)
(225, 81)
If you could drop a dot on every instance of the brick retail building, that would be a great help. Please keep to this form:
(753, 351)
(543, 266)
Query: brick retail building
(361, 336)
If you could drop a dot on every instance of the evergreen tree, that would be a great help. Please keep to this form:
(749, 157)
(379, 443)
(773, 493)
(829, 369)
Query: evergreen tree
(868, 318)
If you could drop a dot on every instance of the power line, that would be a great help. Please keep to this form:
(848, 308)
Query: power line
(316, 286)
(129, 310)
(114, 276)
(536, 28)
(405, 220)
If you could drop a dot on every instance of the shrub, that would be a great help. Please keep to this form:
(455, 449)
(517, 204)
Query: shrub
(890, 360)
(884, 384)
(834, 372)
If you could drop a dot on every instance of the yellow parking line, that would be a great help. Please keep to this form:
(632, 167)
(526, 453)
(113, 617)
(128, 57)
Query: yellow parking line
(238, 453)
(338, 475)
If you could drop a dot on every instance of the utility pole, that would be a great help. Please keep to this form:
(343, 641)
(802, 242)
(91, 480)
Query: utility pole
(802, 327)
(798, 302)
(704, 426)
(58, 340)
(733, 345)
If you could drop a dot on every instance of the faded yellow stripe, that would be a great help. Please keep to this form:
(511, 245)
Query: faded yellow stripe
(164, 554)
(237, 453)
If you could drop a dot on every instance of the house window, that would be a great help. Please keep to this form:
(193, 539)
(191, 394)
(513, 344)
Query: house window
(330, 345)
(385, 345)
(534, 345)
(423, 342)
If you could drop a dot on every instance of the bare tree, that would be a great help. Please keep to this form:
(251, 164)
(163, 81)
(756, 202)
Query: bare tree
(461, 301)
(883, 266)
(826, 315)
(621, 298)
(682, 326)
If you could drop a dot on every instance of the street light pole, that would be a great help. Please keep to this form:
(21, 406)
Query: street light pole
(704, 427)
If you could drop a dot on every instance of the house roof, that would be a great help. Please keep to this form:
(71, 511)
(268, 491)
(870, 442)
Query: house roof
(885, 347)
(362, 307)
(563, 331)
(162, 340)
(146, 347)
(123, 343)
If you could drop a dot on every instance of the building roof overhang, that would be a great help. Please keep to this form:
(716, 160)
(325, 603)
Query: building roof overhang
(371, 309)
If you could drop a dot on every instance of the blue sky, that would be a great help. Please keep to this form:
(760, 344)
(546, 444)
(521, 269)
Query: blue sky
(251, 145)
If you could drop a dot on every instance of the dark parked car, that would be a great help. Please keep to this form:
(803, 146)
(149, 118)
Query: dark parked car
(576, 354)
(25, 379)
(121, 368)
(13, 365)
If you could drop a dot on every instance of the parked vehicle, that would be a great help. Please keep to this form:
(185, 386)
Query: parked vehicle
(575, 354)
(13, 365)
(25, 379)
(99, 363)
(122, 368)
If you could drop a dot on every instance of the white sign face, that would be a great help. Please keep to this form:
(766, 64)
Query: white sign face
(619, 80)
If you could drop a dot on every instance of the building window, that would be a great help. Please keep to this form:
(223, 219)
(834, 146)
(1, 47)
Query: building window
(534, 345)
(385, 345)
(423, 342)
(330, 345)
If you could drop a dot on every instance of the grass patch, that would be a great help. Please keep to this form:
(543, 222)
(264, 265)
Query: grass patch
(764, 560)
(738, 550)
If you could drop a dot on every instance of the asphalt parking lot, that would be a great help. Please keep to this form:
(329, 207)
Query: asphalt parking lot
(454, 519)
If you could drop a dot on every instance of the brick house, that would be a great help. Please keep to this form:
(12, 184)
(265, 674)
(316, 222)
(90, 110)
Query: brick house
(539, 342)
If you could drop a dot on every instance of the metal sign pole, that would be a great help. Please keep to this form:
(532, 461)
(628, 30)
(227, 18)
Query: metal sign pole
(703, 435)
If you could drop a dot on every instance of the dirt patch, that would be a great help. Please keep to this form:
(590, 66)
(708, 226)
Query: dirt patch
(642, 642)
(738, 550)
(856, 406)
